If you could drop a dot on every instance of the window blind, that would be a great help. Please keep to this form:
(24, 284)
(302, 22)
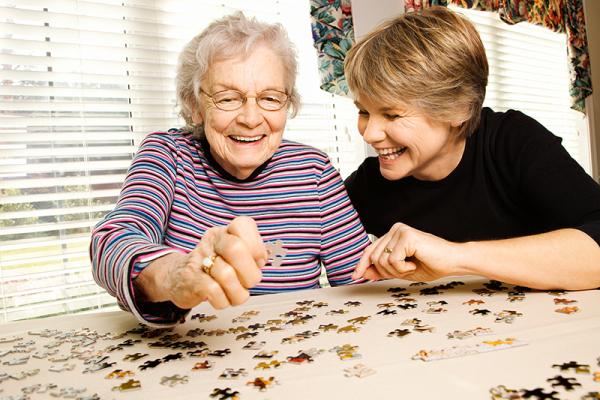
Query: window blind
(529, 73)
(81, 84)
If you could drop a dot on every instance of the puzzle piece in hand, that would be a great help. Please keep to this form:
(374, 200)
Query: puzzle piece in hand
(359, 371)
(225, 394)
(566, 383)
(276, 252)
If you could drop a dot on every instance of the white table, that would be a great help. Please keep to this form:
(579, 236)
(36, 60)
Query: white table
(552, 337)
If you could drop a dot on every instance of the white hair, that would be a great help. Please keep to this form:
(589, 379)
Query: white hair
(230, 37)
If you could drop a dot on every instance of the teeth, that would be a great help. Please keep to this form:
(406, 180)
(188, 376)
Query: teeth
(247, 139)
(390, 151)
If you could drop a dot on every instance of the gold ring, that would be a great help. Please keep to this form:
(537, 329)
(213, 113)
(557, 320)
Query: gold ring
(207, 264)
(387, 250)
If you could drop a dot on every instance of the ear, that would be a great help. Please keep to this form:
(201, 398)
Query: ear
(197, 118)
(456, 124)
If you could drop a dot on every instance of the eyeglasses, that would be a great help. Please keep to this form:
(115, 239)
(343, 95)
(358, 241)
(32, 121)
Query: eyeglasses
(231, 100)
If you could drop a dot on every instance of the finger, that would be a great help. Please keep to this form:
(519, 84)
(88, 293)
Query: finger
(235, 252)
(364, 263)
(396, 258)
(213, 292)
(227, 278)
(372, 274)
(245, 228)
(380, 257)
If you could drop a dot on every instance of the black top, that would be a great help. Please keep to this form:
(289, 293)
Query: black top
(514, 179)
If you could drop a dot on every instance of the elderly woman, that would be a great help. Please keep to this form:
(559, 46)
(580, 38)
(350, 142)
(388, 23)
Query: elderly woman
(455, 188)
(199, 203)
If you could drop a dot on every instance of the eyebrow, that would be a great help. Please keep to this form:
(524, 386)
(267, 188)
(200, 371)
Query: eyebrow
(381, 109)
(223, 87)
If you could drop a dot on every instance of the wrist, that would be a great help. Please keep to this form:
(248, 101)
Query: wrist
(154, 281)
(463, 264)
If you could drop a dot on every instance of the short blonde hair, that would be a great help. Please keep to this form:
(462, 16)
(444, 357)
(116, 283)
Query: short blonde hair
(433, 60)
(230, 37)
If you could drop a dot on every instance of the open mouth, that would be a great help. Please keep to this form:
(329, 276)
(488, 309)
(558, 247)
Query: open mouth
(246, 139)
(390, 153)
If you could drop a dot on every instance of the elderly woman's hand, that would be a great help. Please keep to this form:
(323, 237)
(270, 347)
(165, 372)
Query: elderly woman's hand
(410, 254)
(221, 269)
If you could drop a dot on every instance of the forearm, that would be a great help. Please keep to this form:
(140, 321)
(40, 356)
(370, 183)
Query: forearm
(150, 283)
(562, 259)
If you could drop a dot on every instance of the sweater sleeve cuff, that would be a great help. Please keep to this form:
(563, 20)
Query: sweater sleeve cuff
(155, 314)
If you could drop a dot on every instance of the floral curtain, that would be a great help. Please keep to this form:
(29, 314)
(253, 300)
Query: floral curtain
(333, 34)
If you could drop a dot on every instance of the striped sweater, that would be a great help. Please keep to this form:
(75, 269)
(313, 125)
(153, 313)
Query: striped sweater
(175, 191)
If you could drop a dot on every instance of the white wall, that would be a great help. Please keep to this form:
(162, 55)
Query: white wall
(367, 14)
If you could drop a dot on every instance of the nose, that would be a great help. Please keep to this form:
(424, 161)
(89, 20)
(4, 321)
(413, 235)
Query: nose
(373, 131)
(250, 114)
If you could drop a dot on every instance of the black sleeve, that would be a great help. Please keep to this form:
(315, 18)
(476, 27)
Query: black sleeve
(554, 185)
(356, 186)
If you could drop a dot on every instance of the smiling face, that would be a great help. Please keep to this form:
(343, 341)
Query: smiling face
(243, 139)
(408, 142)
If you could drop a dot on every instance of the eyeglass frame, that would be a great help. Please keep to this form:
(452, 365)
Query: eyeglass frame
(246, 97)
